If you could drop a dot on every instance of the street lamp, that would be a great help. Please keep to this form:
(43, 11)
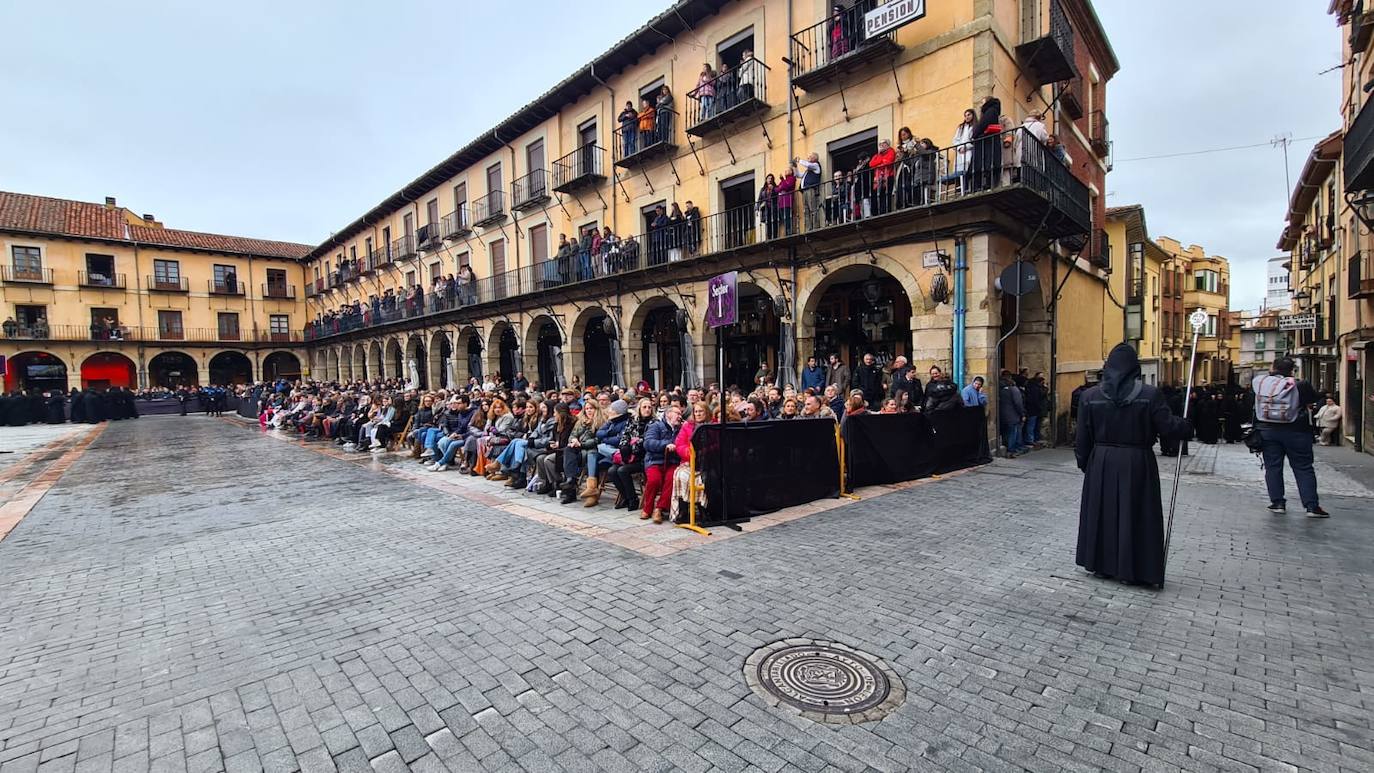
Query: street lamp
(1304, 299)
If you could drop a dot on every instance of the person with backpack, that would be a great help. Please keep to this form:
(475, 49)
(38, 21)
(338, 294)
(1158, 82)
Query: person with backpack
(1281, 418)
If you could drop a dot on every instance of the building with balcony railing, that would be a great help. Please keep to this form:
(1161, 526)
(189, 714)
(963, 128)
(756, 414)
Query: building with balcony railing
(1199, 281)
(95, 295)
(848, 265)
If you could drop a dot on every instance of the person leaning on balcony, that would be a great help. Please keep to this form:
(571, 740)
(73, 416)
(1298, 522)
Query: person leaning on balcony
(629, 125)
(677, 233)
(11, 327)
(705, 92)
(663, 115)
(837, 202)
(905, 183)
(748, 76)
(929, 169)
(963, 144)
(768, 205)
(1034, 124)
(883, 163)
(987, 152)
(1011, 152)
(646, 122)
(811, 188)
(1056, 148)
(786, 186)
(693, 226)
(839, 32)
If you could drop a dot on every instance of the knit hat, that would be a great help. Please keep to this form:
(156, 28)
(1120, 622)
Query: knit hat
(619, 407)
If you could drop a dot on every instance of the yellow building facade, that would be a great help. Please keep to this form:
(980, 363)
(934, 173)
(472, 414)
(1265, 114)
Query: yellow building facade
(1205, 284)
(1311, 239)
(96, 295)
(1137, 297)
(907, 265)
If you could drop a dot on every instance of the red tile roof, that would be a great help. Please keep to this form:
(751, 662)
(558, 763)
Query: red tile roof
(41, 214)
(170, 237)
(65, 217)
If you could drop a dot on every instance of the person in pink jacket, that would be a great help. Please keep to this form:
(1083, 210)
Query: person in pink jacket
(786, 186)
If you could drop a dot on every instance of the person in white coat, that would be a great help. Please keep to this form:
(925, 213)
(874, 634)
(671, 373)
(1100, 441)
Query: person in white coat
(1329, 421)
(963, 143)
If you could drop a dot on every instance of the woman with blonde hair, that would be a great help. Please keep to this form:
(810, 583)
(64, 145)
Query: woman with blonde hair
(682, 476)
(581, 451)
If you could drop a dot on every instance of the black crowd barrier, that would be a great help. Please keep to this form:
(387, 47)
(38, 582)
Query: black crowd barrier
(888, 448)
(247, 406)
(767, 466)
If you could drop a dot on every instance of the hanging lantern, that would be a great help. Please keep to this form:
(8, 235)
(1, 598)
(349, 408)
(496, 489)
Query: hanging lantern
(873, 290)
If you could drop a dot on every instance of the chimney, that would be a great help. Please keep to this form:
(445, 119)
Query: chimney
(149, 218)
(110, 202)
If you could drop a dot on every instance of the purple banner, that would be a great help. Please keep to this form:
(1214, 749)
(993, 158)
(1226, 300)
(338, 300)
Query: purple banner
(723, 296)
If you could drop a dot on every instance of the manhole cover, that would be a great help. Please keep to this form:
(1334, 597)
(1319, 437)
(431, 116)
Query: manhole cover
(824, 681)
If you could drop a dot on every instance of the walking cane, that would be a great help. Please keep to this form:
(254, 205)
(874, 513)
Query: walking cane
(1197, 319)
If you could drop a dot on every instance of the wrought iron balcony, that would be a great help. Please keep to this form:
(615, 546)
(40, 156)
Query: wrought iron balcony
(102, 281)
(277, 291)
(428, 236)
(728, 97)
(635, 146)
(456, 224)
(221, 287)
(489, 210)
(26, 275)
(1360, 276)
(403, 248)
(1100, 250)
(169, 284)
(377, 259)
(530, 191)
(823, 52)
(582, 168)
(1049, 58)
(1069, 99)
(1358, 156)
(1098, 136)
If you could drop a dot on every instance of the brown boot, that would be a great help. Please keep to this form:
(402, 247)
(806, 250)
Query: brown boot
(592, 496)
(658, 515)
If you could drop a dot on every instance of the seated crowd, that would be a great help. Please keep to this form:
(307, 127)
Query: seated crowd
(572, 443)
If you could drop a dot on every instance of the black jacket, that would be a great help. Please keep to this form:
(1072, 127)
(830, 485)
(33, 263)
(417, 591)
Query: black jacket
(869, 379)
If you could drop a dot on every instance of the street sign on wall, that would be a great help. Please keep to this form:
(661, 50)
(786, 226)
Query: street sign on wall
(723, 294)
(891, 15)
(1306, 321)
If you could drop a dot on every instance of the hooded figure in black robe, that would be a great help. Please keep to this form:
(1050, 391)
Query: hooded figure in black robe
(78, 406)
(1120, 519)
(57, 406)
(94, 407)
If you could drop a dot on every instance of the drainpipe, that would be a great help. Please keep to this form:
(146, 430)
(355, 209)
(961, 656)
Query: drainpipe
(790, 153)
(960, 308)
(142, 349)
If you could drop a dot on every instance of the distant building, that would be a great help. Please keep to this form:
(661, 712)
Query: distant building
(1276, 293)
(1205, 281)
(1261, 342)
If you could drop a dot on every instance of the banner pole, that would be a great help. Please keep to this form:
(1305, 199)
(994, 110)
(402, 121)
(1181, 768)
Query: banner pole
(1197, 319)
(691, 524)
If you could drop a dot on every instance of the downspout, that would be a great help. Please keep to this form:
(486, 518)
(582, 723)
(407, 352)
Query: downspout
(796, 312)
(1054, 351)
(610, 128)
(960, 308)
(790, 154)
(142, 349)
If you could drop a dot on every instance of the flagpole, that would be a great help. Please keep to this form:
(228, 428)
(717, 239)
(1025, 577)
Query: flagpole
(1197, 319)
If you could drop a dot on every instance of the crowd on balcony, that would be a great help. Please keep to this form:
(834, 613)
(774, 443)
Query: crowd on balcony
(447, 292)
(648, 126)
(574, 442)
(719, 91)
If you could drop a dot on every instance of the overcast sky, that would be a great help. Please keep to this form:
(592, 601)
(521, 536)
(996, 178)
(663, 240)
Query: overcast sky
(288, 120)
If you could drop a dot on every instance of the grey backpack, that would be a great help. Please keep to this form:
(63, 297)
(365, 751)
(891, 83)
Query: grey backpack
(1276, 399)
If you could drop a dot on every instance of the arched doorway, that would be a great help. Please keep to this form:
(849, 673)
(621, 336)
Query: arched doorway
(600, 351)
(507, 346)
(374, 361)
(394, 364)
(441, 370)
(168, 370)
(474, 355)
(360, 363)
(345, 365)
(548, 347)
(230, 368)
(331, 365)
(39, 371)
(751, 342)
(862, 309)
(417, 365)
(281, 365)
(665, 347)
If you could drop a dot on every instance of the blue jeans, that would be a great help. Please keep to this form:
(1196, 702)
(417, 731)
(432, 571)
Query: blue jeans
(1296, 445)
(1012, 437)
(432, 436)
(513, 457)
(630, 132)
(449, 448)
(1032, 433)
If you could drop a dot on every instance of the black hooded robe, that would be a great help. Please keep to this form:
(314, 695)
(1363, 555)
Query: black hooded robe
(1120, 518)
(94, 410)
(78, 407)
(57, 407)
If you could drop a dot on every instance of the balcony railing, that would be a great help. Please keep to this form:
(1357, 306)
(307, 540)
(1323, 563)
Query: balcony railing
(379, 258)
(169, 284)
(428, 236)
(1357, 158)
(1359, 277)
(456, 224)
(42, 331)
(1040, 188)
(268, 337)
(1068, 98)
(1100, 249)
(823, 52)
(26, 275)
(104, 281)
(220, 287)
(489, 209)
(279, 291)
(636, 145)
(1049, 58)
(530, 191)
(728, 97)
(403, 248)
(582, 168)
(226, 334)
(1098, 135)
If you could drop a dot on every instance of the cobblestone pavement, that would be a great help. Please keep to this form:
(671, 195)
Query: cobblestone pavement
(194, 596)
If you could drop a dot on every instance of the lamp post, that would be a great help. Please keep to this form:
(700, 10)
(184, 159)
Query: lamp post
(1304, 299)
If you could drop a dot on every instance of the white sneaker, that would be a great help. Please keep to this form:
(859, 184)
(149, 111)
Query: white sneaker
(440, 467)
(350, 446)
(428, 453)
